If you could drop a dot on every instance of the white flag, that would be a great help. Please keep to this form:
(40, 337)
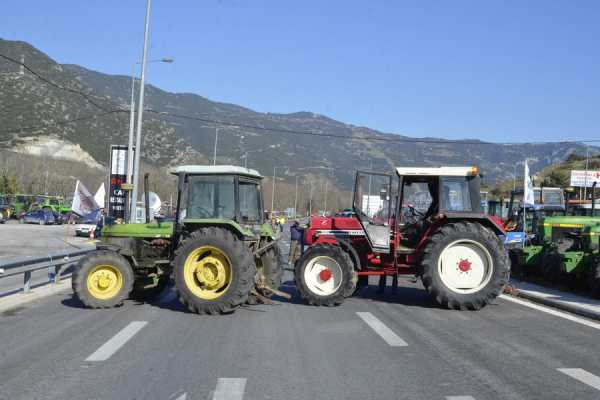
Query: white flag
(99, 196)
(528, 196)
(83, 201)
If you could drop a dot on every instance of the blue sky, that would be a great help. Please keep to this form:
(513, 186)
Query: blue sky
(493, 70)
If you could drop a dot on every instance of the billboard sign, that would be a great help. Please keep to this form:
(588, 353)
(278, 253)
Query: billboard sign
(581, 179)
(117, 197)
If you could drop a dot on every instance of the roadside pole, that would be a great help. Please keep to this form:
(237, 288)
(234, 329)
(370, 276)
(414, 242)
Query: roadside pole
(296, 199)
(138, 141)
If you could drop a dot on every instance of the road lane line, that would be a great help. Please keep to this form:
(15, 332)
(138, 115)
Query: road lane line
(551, 311)
(460, 398)
(582, 376)
(230, 389)
(182, 397)
(381, 329)
(109, 348)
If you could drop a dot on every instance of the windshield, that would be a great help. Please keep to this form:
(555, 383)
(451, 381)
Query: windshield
(455, 195)
(210, 197)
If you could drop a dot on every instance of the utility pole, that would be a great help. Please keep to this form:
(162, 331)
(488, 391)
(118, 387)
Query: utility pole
(138, 141)
(310, 199)
(587, 160)
(515, 177)
(273, 193)
(325, 207)
(296, 199)
(215, 151)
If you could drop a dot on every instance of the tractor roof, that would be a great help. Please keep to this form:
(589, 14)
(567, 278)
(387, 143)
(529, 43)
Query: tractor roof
(437, 171)
(216, 170)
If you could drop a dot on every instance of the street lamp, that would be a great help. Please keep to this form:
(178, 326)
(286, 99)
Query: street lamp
(167, 60)
(138, 139)
(215, 150)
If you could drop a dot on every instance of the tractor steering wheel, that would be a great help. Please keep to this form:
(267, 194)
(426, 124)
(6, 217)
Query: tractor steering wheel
(202, 212)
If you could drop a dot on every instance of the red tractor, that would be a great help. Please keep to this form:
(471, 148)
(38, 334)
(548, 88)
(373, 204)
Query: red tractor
(433, 228)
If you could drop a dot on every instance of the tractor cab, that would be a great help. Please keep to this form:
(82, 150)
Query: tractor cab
(227, 195)
(423, 195)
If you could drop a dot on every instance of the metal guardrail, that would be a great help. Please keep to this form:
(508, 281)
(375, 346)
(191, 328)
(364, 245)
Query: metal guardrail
(28, 265)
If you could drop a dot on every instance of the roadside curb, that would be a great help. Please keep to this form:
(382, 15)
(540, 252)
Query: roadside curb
(20, 298)
(559, 305)
(554, 298)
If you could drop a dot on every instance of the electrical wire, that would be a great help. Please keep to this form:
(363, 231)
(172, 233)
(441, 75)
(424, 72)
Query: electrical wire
(281, 130)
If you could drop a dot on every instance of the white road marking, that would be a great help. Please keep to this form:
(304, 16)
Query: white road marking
(230, 389)
(182, 397)
(382, 330)
(116, 342)
(552, 311)
(460, 398)
(582, 376)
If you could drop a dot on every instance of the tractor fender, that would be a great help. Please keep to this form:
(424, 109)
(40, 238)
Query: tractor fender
(344, 244)
(481, 218)
(348, 248)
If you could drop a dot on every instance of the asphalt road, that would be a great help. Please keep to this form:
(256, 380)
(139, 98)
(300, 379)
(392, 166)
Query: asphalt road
(394, 346)
(26, 240)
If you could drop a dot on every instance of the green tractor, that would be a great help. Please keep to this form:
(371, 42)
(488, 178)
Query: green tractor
(563, 247)
(219, 250)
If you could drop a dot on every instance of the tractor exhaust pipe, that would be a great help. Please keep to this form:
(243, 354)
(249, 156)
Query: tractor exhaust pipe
(147, 197)
(593, 198)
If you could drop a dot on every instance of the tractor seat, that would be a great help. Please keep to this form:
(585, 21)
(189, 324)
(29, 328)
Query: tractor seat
(401, 249)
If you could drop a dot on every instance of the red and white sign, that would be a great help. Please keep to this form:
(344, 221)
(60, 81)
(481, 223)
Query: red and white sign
(581, 179)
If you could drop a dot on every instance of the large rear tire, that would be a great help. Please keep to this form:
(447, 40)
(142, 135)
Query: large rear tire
(325, 275)
(213, 271)
(464, 266)
(593, 278)
(102, 279)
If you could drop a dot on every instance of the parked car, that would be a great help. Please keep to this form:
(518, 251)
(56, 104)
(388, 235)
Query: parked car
(39, 216)
(88, 223)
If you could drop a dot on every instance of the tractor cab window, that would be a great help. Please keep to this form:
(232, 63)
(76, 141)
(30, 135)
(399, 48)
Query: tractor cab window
(419, 199)
(455, 194)
(210, 197)
(249, 195)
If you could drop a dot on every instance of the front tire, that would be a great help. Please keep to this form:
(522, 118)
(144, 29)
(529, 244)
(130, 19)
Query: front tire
(325, 275)
(552, 266)
(213, 271)
(102, 279)
(464, 266)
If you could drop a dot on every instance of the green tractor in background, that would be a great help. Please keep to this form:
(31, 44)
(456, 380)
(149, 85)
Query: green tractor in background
(563, 248)
(220, 250)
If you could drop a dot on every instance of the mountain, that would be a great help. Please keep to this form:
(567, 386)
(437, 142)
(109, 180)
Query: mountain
(32, 111)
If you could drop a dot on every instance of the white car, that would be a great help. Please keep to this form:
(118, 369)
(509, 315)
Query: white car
(84, 229)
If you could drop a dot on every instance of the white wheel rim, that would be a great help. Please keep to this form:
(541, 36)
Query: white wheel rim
(315, 271)
(465, 266)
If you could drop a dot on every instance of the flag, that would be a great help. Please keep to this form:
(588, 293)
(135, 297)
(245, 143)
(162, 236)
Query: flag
(99, 196)
(528, 196)
(83, 201)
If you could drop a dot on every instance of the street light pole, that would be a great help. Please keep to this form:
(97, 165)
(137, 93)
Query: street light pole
(215, 151)
(132, 120)
(273, 193)
(138, 139)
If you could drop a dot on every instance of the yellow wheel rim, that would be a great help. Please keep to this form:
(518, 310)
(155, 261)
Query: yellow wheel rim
(207, 272)
(104, 281)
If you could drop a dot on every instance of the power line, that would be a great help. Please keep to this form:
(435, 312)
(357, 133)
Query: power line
(59, 123)
(359, 138)
(54, 84)
(283, 130)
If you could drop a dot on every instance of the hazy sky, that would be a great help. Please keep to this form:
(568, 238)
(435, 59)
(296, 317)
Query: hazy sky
(494, 70)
